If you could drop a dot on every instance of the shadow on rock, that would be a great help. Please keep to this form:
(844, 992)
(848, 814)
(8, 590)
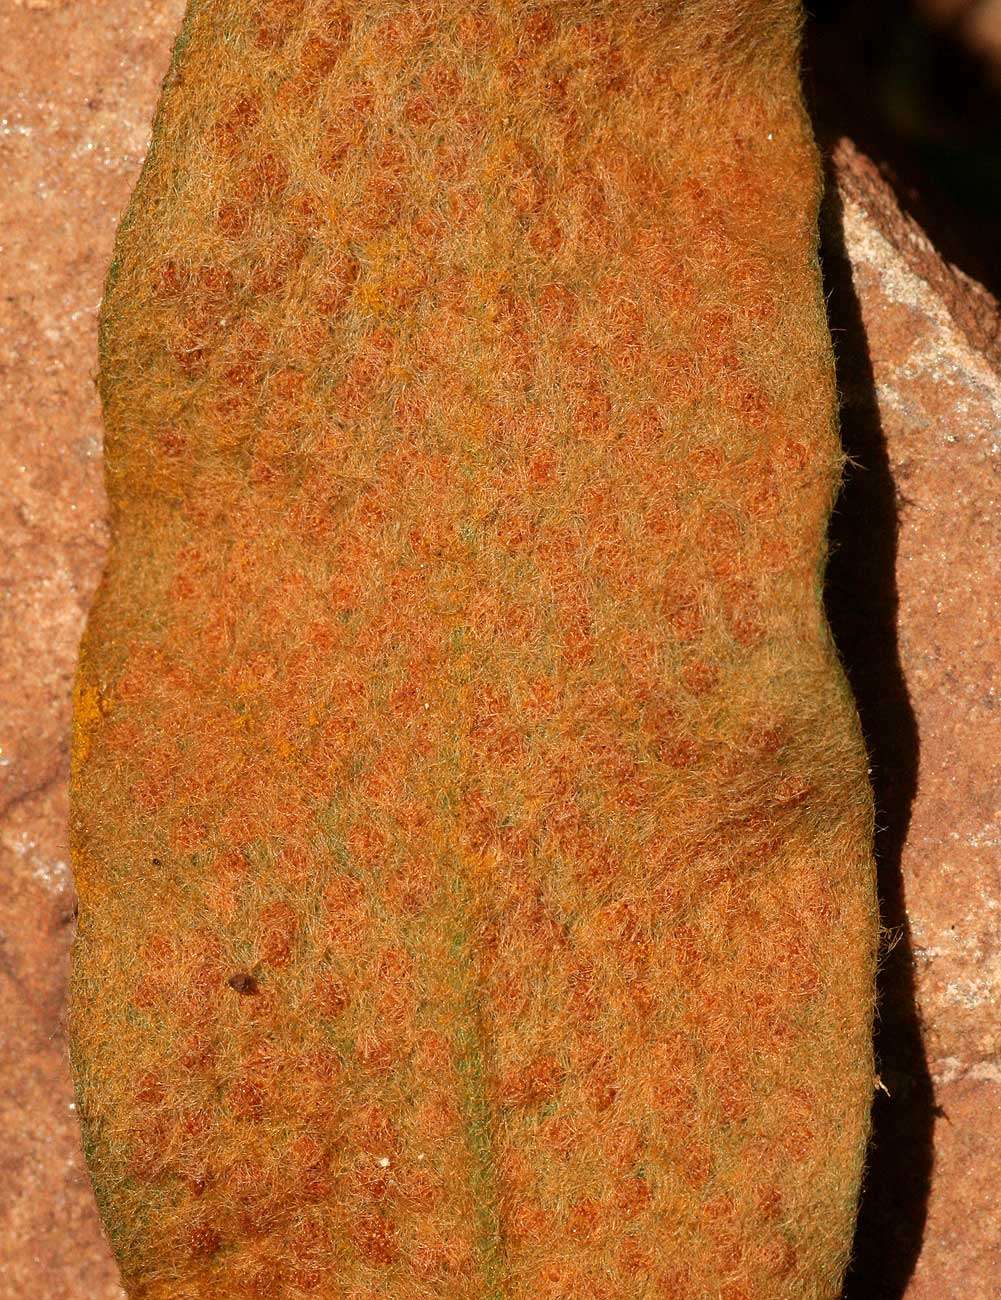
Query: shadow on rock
(862, 604)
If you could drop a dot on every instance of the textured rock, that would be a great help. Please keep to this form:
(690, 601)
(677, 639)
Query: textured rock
(914, 591)
(78, 81)
(935, 342)
(962, 1252)
(50, 1241)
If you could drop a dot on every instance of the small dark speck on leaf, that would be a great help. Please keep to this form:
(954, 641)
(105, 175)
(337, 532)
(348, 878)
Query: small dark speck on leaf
(243, 983)
(157, 862)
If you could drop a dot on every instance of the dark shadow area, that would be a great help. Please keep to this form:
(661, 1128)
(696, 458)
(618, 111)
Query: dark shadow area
(917, 99)
(861, 598)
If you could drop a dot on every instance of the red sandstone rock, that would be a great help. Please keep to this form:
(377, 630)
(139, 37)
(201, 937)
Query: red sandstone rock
(915, 601)
(934, 338)
(962, 1252)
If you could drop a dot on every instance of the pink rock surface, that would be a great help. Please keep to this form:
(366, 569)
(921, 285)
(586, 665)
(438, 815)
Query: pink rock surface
(915, 594)
(962, 1251)
(934, 340)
